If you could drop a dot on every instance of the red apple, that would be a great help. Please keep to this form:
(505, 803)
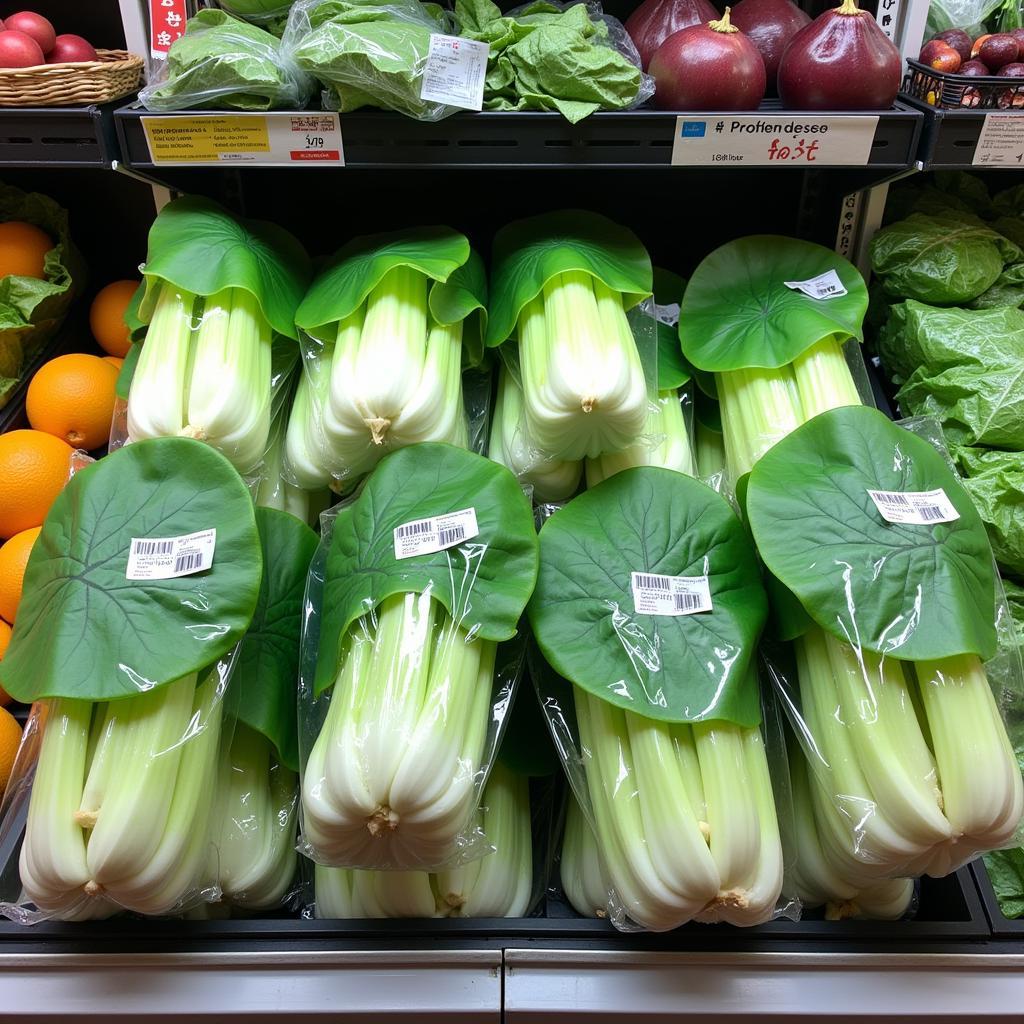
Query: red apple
(34, 25)
(940, 56)
(70, 48)
(18, 50)
(974, 68)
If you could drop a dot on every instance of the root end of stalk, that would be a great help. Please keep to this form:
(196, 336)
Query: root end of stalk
(602, 913)
(86, 819)
(840, 910)
(734, 898)
(93, 888)
(454, 900)
(196, 433)
(382, 821)
(588, 403)
(705, 830)
(378, 429)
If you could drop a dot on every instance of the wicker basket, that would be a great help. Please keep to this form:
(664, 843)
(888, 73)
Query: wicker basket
(113, 74)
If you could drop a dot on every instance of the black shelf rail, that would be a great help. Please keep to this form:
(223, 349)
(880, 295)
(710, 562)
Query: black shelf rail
(949, 138)
(633, 139)
(58, 136)
(1002, 927)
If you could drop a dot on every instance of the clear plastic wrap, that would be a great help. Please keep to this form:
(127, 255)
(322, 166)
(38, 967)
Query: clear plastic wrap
(115, 800)
(905, 704)
(404, 679)
(368, 54)
(226, 64)
(258, 12)
(580, 870)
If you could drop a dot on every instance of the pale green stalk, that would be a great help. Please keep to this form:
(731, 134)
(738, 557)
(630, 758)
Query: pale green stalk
(306, 460)
(580, 867)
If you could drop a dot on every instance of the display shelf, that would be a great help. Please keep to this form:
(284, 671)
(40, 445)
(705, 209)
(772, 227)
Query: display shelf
(58, 136)
(639, 138)
(949, 138)
(1002, 927)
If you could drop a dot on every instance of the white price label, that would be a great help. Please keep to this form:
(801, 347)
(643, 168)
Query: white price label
(824, 286)
(920, 508)
(166, 558)
(455, 72)
(270, 140)
(774, 140)
(1000, 141)
(667, 314)
(654, 594)
(425, 536)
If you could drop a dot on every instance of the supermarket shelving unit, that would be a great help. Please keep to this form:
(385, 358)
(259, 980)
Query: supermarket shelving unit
(955, 961)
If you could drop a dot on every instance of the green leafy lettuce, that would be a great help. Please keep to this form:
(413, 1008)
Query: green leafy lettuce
(227, 64)
(545, 57)
(32, 310)
(995, 481)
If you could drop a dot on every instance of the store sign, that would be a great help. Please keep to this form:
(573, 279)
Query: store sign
(1001, 141)
(269, 140)
(167, 19)
(773, 140)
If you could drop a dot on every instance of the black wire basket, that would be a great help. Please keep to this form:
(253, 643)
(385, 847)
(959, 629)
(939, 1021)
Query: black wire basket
(963, 92)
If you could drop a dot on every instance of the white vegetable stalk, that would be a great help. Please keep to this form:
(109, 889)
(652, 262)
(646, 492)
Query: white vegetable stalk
(584, 390)
(665, 442)
(391, 779)
(580, 867)
(512, 446)
(917, 773)
(276, 491)
(306, 461)
(120, 808)
(497, 885)
(206, 376)
(396, 377)
(257, 811)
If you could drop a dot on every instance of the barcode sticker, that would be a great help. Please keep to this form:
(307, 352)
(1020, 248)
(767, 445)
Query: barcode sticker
(166, 558)
(921, 508)
(425, 536)
(824, 286)
(654, 594)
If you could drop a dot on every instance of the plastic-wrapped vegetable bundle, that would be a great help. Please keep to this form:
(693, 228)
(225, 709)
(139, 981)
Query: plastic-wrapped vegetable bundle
(878, 689)
(580, 865)
(389, 325)
(562, 286)
(499, 884)
(657, 633)
(127, 730)
(218, 290)
(405, 679)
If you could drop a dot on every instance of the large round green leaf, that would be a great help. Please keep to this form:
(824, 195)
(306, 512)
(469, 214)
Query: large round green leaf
(86, 631)
(197, 245)
(484, 582)
(360, 265)
(915, 592)
(737, 311)
(266, 671)
(677, 668)
(528, 253)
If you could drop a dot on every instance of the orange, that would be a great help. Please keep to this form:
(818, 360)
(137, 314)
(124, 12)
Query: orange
(114, 361)
(34, 468)
(23, 248)
(10, 739)
(106, 317)
(72, 397)
(13, 559)
(5, 639)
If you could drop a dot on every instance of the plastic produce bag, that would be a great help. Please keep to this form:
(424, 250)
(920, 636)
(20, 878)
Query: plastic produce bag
(368, 53)
(114, 782)
(226, 64)
(899, 691)
(995, 481)
(221, 295)
(405, 679)
(387, 329)
(270, 14)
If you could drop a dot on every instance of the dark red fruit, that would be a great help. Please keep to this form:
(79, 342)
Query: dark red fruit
(655, 20)
(940, 56)
(958, 39)
(769, 25)
(1011, 98)
(976, 45)
(841, 61)
(708, 67)
(999, 50)
(974, 68)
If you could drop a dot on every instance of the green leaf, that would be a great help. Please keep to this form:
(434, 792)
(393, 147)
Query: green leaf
(528, 253)
(673, 369)
(1006, 872)
(83, 629)
(737, 311)
(484, 583)
(127, 371)
(995, 482)
(197, 245)
(464, 293)
(266, 672)
(136, 328)
(676, 668)
(914, 592)
(360, 265)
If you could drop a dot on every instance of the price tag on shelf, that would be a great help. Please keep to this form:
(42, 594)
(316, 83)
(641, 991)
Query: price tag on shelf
(774, 140)
(167, 21)
(1001, 141)
(455, 71)
(270, 140)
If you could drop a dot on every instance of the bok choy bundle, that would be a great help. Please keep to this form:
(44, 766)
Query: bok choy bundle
(218, 292)
(409, 661)
(388, 336)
